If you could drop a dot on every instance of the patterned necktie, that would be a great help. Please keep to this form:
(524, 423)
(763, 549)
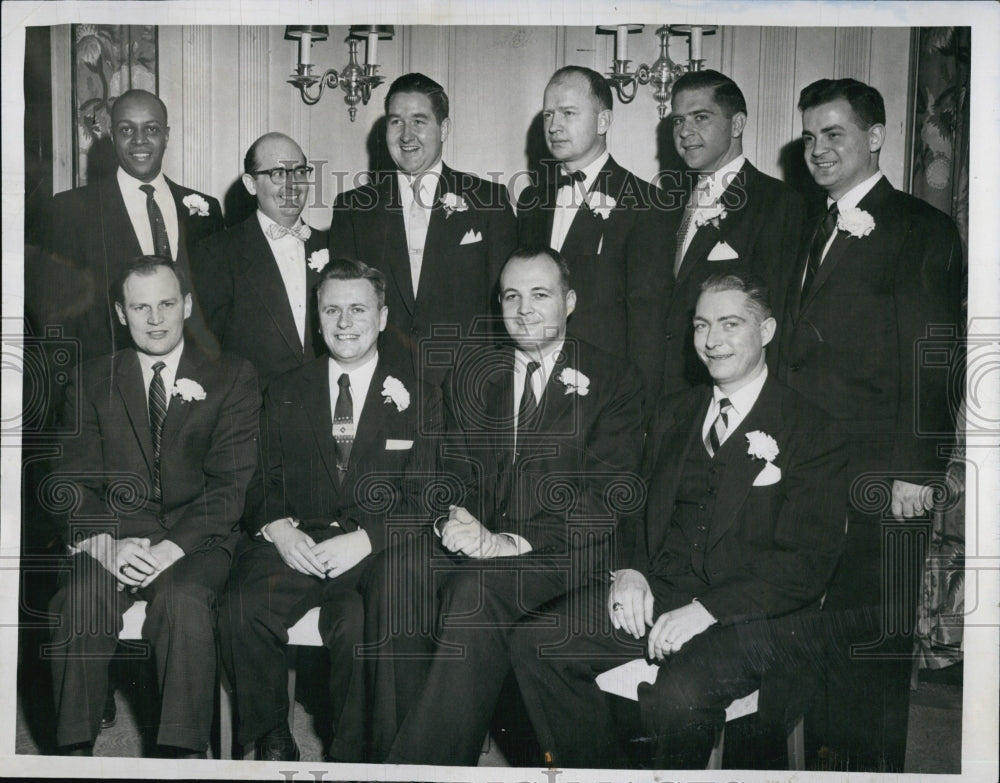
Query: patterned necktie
(299, 231)
(528, 408)
(823, 234)
(699, 187)
(161, 243)
(564, 178)
(717, 432)
(343, 425)
(157, 413)
(416, 235)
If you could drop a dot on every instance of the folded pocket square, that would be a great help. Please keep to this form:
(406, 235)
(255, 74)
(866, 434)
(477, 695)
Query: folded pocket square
(398, 445)
(771, 474)
(471, 237)
(723, 251)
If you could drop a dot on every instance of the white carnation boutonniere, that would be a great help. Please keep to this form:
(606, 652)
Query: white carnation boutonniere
(395, 392)
(575, 382)
(319, 259)
(763, 446)
(600, 204)
(712, 216)
(855, 222)
(452, 202)
(196, 205)
(187, 390)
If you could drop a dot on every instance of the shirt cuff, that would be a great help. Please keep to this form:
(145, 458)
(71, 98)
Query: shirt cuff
(263, 531)
(521, 545)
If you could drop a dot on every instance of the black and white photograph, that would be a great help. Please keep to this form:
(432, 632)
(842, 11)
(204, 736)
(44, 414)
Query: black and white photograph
(500, 392)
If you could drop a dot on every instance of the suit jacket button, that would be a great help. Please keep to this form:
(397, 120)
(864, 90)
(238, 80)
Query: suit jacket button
(793, 367)
(668, 336)
(711, 490)
(701, 528)
(701, 507)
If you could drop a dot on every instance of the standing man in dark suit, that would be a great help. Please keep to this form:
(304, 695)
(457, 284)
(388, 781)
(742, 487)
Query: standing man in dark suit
(607, 223)
(735, 219)
(99, 228)
(338, 428)
(166, 447)
(549, 433)
(439, 235)
(255, 280)
(743, 522)
(880, 269)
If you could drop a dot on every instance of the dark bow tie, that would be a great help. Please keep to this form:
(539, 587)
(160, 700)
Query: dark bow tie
(300, 231)
(564, 178)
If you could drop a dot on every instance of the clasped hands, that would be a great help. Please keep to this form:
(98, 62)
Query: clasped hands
(462, 533)
(327, 559)
(630, 607)
(132, 561)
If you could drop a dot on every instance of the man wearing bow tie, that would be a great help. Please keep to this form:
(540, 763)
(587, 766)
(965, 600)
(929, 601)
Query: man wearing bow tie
(606, 222)
(439, 235)
(254, 281)
(878, 271)
(735, 219)
(743, 522)
(159, 469)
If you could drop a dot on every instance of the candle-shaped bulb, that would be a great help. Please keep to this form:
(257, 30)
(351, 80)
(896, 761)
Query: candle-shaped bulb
(695, 42)
(371, 51)
(621, 42)
(305, 44)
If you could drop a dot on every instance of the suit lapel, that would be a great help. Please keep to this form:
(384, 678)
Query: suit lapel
(706, 236)
(440, 228)
(177, 409)
(588, 228)
(131, 389)
(117, 230)
(395, 249)
(313, 244)
(183, 217)
(315, 396)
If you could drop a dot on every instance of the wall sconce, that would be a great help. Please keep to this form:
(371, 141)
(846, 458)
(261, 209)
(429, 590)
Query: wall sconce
(356, 81)
(663, 72)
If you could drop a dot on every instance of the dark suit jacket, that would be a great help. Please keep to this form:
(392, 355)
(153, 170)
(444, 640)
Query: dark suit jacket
(458, 278)
(578, 464)
(620, 266)
(90, 232)
(391, 459)
(245, 303)
(208, 451)
(854, 345)
(770, 549)
(763, 226)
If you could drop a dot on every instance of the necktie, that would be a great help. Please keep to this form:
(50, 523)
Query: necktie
(157, 413)
(161, 244)
(717, 432)
(299, 231)
(697, 190)
(528, 408)
(343, 425)
(416, 234)
(823, 234)
(564, 178)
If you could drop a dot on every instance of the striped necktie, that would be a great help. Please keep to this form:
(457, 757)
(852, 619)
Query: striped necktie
(823, 234)
(343, 425)
(157, 414)
(717, 432)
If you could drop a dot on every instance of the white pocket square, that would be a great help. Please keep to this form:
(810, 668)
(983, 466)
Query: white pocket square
(398, 445)
(771, 474)
(723, 251)
(471, 237)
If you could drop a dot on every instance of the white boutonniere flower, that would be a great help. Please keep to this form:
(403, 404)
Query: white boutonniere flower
(710, 215)
(319, 259)
(453, 203)
(394, 392)
(575, 382)
(855, 222)
(600, 204)
(762, 446)
(187, 390)
(196, 205)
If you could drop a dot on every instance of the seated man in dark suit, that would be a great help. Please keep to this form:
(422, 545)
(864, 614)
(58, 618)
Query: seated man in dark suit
(167, 445)
(333, 427)
(546, 432)
(254, 281)
(743, 522)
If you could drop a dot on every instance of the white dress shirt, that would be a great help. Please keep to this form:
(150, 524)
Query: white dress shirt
(706, 195)
(135, 205)
(539, 378)
(569, 198)
(742, 400)
(168, 373)
(416, 231)
(850, 200)
(361, 380)
(290, 254)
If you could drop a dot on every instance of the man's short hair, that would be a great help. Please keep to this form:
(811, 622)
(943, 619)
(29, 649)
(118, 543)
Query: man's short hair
(599, 86)
(865, 101)
(352, 269)
(425, 85)
(725, 91)
(136, 94)
(754, 288)
(146, 265)
(530, 252)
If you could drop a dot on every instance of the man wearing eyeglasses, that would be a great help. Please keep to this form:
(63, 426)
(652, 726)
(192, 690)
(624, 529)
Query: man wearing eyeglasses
(253, 280)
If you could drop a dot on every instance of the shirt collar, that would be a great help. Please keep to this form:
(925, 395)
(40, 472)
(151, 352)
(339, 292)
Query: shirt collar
(365, 370)
(548, 359)
(742, 399)
(171, 359)
(265, 221)
(711, 185)
(591, 170)
(851, 198)
(126, 182)
(428, 179)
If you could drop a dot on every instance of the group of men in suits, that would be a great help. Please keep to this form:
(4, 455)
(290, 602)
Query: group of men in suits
(768, 358)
